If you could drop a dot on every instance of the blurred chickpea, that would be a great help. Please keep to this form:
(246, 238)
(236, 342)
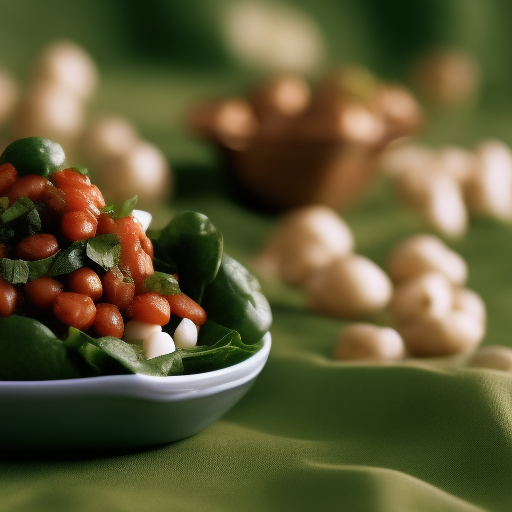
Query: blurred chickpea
(350, 286)
(444, 208)
(428, 294)
(488, 189)
(457, 332)
(108, 136)
(49, 111)
(368, 342)
(304, 240)
(456, 162)
(423, 253)
(142, 171)
(468, 300)
(67, 66)
(493, 357)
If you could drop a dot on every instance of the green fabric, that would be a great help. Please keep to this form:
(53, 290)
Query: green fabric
(312, 434)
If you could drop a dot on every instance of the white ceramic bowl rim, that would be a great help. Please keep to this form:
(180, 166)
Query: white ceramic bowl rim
(175, 387)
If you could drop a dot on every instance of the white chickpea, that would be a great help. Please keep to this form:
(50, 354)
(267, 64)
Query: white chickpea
(468, 300)
(423, 253)
(494, 357)
(158, 344)
(489, 188)
(457, 332)
(368, 342)
(67, 66)
(135, 331)
(350, 286)
(305, 240)
(185, 335)
(428, 294)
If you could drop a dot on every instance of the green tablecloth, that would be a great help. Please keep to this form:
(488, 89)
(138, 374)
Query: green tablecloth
(311, 434)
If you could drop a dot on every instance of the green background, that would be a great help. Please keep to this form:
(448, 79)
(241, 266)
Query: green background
(312, 434)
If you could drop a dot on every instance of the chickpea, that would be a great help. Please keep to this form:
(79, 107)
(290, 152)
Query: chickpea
(428, 294)
(43, 291)
(75, 310)
(87, 282)
(494, 357)
(368, 342)
(37, 247)
(469, 301)
(423, 253)
(349, 287)
(454, 333)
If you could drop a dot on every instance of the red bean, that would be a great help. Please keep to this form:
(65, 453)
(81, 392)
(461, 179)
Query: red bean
(151, 308)
(87, 282)
(75, 310)
(116, 290)
(37, 247)
(43, 291)
(182, 305)
(96, 197)
(108, 321)
(8, 298)
(31, 186)
(69, 177)
(106, 224)
(78, 225)
(78, 199)
(8, 175)
(54, 198)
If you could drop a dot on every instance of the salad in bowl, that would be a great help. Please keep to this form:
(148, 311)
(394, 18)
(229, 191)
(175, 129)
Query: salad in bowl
(89, 298)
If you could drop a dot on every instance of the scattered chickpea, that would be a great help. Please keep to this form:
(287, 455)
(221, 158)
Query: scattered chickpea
(494, 357)
(350, 286)
(368, 342)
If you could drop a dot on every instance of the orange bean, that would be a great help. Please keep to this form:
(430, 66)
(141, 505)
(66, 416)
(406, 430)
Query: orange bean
(75, 310)
(78, 225)
(182, 305)
(108, 321)
(151, 308)
(31, 186)
(116, 290)
(147, 245)
(54, 198)
(69, 177)
(78, 199)
(87, 282)
(43, 291)
(8, 175)
(37, 247)
(106, 225)
(8, 298)
(96, 197)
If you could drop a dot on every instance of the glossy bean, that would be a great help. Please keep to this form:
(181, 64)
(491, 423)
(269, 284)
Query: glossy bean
(151, 308)
(87, 282)
(117, 291)
(182, 305)
(108, 321)
(75, 310)
(43, 291)
(8, 298)
(8, 175)
(78, 225)
(37, 247)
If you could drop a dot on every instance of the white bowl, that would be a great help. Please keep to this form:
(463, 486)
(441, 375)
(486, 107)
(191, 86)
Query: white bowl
(120, 411)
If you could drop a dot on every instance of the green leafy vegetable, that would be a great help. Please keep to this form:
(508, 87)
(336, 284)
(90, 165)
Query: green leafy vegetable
(20, 207)
(80, 170)
(30, 351)
(219, 348)
(162, 283)
(68, 260)
(105, 250)
(120, 210)
(192, 243)
(117, 356)
(15, 271)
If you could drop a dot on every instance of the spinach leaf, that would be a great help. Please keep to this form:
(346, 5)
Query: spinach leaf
(30, 351)
(68, 260)
(14, 271)
(162, 283)
(123, 209)
(218, 347)
(105, 250)
(111, 355)
(20, 207)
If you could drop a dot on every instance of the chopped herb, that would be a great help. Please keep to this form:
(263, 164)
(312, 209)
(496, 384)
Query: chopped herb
(69, 260)
(120, 210)
(105, 250)
(14, 271)
(22, 206)
(164, 284)
(81, 170)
